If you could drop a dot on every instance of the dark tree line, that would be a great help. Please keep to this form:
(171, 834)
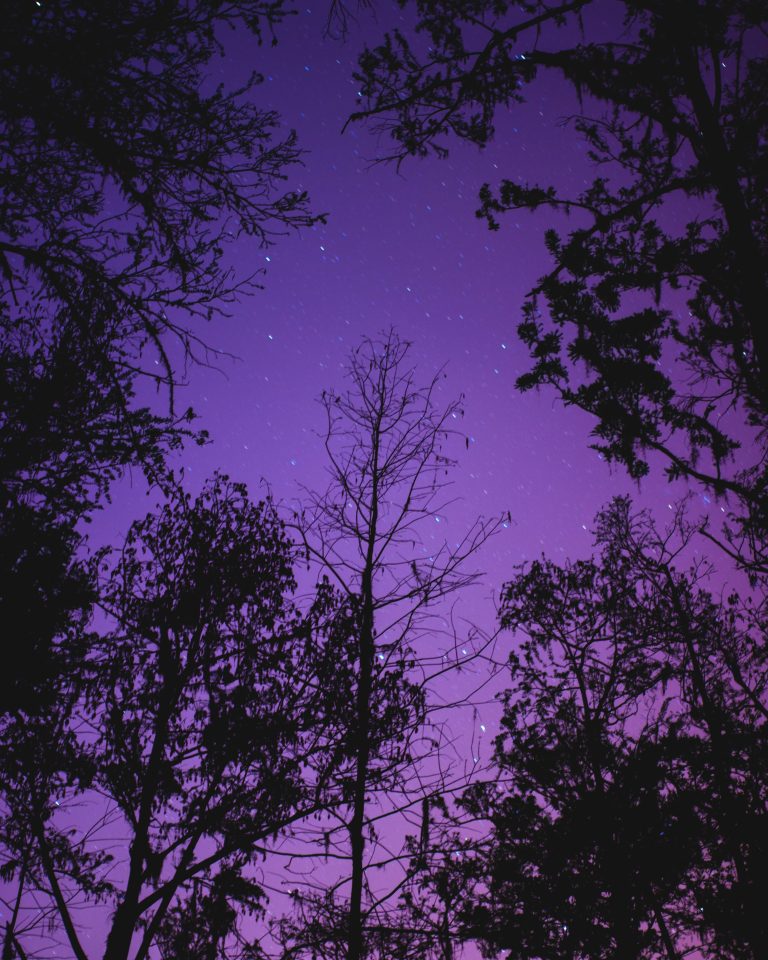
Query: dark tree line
(124, 178)
(178, 719)
(629, 816)
(121, 186)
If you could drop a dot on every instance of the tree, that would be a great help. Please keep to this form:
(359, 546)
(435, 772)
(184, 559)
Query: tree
(716, 654)
(125, 175)
(195, 728)
(124, 180)
(368, 533)
(629, 812)
(673, 113)
(68, 427)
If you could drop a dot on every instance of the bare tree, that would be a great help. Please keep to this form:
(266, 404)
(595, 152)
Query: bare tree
(372, 532)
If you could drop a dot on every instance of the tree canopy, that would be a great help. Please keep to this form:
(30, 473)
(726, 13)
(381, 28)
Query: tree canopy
(126, 173)
(652, 317)
(629, 812)
(197, 725)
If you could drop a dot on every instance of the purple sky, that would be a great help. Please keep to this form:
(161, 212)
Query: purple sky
(404, 250)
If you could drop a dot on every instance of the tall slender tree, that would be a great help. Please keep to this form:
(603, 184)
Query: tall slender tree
(376, 533)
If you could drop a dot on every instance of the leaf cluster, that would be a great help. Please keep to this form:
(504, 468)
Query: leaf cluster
(628, 815)
(197, 725)
(652, 316)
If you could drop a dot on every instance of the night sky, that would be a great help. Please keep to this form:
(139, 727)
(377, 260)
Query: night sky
(403, 249)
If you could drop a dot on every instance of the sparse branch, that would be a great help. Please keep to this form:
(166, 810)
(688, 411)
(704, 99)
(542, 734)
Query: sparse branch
(59, 898)
(385, 438)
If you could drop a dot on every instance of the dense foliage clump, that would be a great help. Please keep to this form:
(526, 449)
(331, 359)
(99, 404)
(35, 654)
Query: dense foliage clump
(673, 114)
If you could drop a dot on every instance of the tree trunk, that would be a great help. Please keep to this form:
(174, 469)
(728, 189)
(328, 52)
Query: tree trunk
(357, 823)
(363, 718)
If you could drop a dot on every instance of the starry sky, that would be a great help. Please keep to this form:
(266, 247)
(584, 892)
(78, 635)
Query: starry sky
(403, 249)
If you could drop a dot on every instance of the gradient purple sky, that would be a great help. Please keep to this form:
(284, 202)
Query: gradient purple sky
(404, 250)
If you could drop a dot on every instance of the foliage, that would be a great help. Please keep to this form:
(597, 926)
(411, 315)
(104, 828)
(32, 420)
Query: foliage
(629, 816)
(124, 177)
(125, 173)
(652, 317)
(195, 728)
(47, 588)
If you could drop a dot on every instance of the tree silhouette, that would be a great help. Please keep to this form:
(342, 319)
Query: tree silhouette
(182, 739)
(672, 110)
(629, 813)
(123, 183)
(370, 532)
(124, 178)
